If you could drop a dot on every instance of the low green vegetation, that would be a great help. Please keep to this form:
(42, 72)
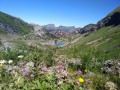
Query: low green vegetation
(2, 32)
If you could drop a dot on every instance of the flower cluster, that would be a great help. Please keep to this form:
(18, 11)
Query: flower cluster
(56, 73)
(5, 62)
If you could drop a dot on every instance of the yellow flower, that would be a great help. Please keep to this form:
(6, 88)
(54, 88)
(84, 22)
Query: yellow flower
(81, 80)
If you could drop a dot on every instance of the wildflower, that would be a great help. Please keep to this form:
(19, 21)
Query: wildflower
(32, 75)
(25, 72)
(29, 64)
(77, 82)
(21, 56)
(81, 80)
(59, 62)
(10, 61)
(66, 81)
(44, 69)
(78, 72)
(2, 61)
(70, 75)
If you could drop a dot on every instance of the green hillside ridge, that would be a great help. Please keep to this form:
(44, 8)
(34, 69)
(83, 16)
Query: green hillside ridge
(106, 40)
(15, 23)
(114, 11)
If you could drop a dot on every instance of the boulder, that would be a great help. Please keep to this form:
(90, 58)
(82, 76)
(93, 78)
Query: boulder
(112, 67)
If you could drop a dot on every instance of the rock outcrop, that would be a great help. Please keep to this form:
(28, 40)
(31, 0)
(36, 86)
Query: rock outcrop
(88, 28)
(7, 28)
(113, 19)
(112, 67)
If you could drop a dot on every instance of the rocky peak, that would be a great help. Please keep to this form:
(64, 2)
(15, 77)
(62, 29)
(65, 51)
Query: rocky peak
(111, 19)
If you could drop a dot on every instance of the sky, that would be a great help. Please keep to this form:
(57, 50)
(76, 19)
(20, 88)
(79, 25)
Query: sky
(59, 12)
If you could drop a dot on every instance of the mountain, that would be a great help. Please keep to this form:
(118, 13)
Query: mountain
(15, 33)
(42, 32)
(49, 27)
(52, 27)
(13, 24)
(66, 28)
(112, 19)
(87, 28)
(61, 31)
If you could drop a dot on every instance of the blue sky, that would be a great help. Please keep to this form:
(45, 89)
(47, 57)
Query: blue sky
(59, 12)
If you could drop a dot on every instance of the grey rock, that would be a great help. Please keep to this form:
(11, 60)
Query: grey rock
(110, 86)
(112, 67)
(7, 28)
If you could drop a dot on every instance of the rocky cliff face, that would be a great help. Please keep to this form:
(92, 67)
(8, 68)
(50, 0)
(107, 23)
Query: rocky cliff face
(112, 19)
(88, 28)
(7, 28)
(39, 31)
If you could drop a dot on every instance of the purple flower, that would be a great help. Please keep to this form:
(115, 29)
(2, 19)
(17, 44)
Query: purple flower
(44, 69)
(78, 72)
(60, 67)
(70, 75)
(59, 62)
(66, 81)
(25, 72)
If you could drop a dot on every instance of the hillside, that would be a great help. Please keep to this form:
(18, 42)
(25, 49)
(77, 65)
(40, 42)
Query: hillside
(112, 19)
(12, 24)
(16, 32)
(98, 51)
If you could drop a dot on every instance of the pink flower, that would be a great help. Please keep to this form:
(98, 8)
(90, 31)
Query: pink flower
(78, 72)
(69, 75)
(60, 67)
(66, 81)
(25, 72)
(32, 75)
(59, 62)
(44, 69)
(77, 82)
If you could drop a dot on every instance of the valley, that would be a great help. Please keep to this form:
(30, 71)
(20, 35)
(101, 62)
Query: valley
(47, 57)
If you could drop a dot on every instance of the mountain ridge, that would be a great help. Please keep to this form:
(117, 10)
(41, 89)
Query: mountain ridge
(113, 18)
(13, 24)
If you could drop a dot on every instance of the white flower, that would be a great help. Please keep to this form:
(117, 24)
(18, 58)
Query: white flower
(10, 61)
(29, 64)
(3, 62)
(21, 56)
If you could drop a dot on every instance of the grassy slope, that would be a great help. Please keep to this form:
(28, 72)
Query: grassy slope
(105, 41)
(15, 23)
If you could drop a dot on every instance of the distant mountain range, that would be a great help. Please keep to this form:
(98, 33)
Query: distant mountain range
(52, 27)
(11, 24)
